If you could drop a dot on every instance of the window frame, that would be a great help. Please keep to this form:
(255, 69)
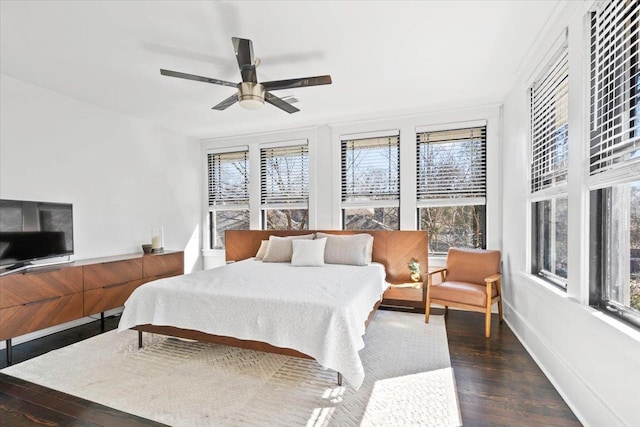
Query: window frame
(392, 200)
(213, 208)
(284, 206)
(613, 147)
(548, 182)
(452, 201)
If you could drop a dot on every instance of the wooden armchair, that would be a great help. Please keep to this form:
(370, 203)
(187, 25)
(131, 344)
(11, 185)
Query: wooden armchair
(471, 281)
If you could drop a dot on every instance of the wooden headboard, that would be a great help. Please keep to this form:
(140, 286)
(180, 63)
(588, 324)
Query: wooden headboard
(393, 249)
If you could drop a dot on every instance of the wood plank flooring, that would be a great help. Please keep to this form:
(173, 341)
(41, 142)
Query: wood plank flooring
(498, 383)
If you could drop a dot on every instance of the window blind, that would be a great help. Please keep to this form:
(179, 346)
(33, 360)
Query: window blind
(284, 175)
(615, 86)
(549, 114)
(452, 164)
(228, 178)
(370, 169)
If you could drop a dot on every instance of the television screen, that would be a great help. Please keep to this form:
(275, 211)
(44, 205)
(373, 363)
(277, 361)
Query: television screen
(34, 230)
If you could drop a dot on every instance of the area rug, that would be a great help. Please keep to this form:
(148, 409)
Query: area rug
(408, 379)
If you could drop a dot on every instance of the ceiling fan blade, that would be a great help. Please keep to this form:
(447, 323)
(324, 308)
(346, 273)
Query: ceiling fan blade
(226, 103)
(280, 103)
(196, 78)
(290, 99)
(301, 82)
(246, 61)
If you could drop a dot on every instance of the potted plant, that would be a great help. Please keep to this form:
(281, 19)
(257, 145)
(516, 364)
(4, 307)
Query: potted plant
(414, 269)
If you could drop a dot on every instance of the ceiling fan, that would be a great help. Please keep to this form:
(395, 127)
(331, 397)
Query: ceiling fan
(251, 94)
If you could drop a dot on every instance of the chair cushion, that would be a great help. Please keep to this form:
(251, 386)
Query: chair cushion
(472, 265)
(462, 292)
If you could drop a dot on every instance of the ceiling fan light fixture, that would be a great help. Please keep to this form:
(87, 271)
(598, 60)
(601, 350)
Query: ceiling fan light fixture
(251, 95)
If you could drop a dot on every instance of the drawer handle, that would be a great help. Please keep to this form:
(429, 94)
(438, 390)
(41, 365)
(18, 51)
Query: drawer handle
(42, 301)
(113, 286)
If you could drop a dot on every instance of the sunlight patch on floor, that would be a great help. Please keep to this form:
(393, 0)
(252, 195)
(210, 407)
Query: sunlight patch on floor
(403, 400)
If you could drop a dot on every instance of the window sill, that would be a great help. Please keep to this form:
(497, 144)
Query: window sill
(544, 284)
(544, 288)
(437, 261)
(212, 252)
(616, 323)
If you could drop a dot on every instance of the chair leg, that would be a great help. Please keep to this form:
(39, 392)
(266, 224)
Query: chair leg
(427, 309)
(499, 301)
(487, 322)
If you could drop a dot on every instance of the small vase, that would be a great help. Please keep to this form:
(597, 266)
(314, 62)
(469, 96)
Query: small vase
(415, 276)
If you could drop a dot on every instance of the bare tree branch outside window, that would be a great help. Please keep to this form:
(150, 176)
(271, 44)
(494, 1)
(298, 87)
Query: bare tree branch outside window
(371, 183)
(452, 188)
(228, 189)
(285, 187)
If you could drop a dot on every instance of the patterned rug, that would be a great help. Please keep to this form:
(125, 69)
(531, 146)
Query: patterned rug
(409, 380)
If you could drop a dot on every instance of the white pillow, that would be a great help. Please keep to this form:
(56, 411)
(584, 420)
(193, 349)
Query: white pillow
(308, 252)
(350, 249)
(280, 249)
(263, 250)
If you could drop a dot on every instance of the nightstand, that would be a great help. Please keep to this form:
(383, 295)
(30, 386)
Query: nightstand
(405, 295)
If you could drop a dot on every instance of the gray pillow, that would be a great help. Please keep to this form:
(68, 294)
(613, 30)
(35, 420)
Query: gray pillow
(280, 248)
(262, 250)
(351, 249)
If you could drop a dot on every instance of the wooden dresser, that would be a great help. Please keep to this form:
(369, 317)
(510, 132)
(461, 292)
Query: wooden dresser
(49, 296)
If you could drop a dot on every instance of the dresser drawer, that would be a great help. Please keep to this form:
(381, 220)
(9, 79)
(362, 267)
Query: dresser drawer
(30, 317)
(18, 289)
(163, 265)
(107, 298)
(112, 273)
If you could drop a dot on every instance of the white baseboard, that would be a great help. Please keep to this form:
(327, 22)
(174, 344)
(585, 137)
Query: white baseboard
(590, 399)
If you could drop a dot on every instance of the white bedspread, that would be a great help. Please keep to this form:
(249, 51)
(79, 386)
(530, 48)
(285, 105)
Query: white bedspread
(319, 311)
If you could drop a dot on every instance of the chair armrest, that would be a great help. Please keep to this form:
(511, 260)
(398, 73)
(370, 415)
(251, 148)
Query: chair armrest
(439, 270)
(430, 274)
(493, 278)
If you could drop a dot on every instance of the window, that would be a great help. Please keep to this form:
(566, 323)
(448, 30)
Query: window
(614, 159)
(371, 183)
(451, 187)
(549, 114)
(228, 185)
(285, 187)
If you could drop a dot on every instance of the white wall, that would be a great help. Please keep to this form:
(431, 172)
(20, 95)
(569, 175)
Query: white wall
(122, 174)
(591, 358)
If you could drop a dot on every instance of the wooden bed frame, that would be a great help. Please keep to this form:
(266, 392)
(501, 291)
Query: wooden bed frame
(393, 249)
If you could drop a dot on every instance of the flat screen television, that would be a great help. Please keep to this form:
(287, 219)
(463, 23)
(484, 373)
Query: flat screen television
(34, 230)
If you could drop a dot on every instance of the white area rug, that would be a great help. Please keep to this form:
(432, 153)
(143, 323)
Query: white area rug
(408, 379)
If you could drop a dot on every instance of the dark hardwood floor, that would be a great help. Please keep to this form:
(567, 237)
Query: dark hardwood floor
(498, 383)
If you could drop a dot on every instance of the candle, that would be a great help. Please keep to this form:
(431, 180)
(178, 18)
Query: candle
(157, 238)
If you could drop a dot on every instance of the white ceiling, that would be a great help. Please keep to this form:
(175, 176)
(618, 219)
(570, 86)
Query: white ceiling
(385, 58)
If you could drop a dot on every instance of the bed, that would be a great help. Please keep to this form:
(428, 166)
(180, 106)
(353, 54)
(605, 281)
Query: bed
(311, 312)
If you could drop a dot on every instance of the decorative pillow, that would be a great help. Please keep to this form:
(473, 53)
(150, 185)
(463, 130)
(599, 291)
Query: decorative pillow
(351, 249)
(263, 250)
(308, 252)
(280, 248)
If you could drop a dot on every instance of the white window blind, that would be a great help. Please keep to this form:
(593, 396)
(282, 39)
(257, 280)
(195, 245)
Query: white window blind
(549, 114)
(452, 164)
(370, 169)
(228, 178)
(284, 175)
(615, 86)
